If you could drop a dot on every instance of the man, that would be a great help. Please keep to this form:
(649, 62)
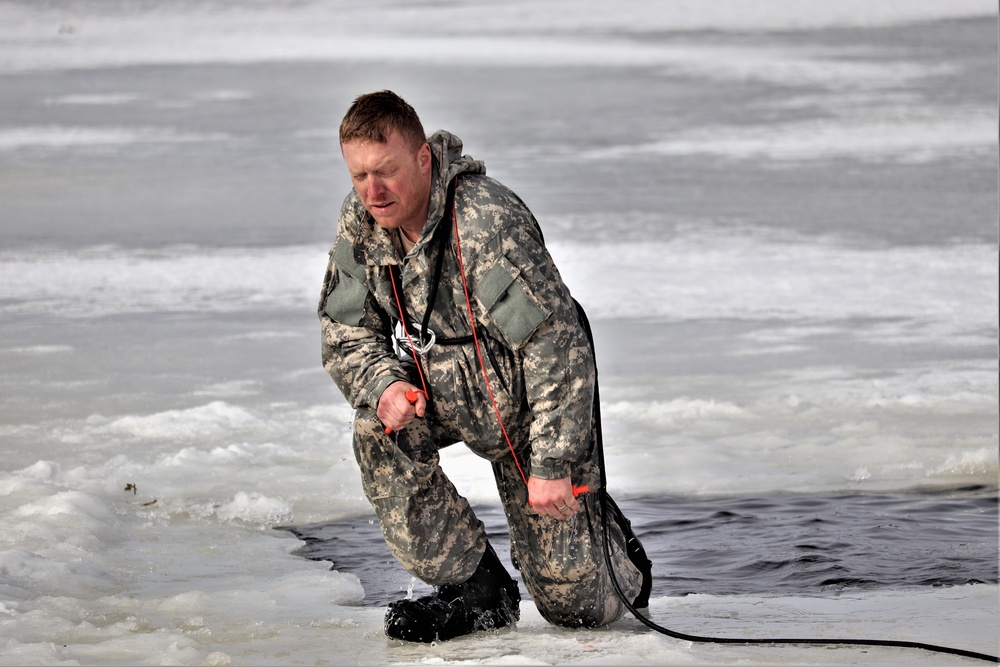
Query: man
(444, 320)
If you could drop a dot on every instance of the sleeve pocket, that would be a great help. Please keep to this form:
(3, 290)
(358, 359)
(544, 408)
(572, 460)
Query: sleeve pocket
(346, 301)
(510, 303)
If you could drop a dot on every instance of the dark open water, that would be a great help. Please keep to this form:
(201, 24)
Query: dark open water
(780, 545)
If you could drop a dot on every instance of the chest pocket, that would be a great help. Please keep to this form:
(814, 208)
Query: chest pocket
(346, 301)
(510, 303)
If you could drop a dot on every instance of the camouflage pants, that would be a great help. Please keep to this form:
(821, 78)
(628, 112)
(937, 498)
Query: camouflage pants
(436, 536)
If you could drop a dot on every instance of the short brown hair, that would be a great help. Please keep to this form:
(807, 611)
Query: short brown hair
(374, 116)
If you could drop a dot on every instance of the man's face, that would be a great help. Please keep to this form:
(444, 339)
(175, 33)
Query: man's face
(393, 181)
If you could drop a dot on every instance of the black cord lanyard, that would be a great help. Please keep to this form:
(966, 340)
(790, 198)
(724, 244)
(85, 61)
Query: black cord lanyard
(439, 239)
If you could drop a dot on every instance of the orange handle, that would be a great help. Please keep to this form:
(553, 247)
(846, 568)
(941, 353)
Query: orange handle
(411, 396)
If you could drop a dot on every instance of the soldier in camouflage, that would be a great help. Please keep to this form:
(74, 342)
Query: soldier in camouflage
(444, 320)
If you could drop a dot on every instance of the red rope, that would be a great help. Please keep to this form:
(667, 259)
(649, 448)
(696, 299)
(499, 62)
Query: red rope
(475, 340)
(479, 353)
(406, 330)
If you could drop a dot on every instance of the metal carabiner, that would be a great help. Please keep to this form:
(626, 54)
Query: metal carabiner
(422, 346)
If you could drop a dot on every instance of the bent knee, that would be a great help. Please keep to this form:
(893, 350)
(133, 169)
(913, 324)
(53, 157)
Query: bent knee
(574, 606)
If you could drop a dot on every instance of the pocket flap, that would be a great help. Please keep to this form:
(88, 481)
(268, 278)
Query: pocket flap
(343, 257)
(508, 300)
(493, 286)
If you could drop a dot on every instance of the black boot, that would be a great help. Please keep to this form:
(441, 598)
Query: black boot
(636, 554)
(489, 600)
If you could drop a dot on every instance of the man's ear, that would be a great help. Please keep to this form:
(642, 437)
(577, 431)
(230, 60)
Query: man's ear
(424, 158)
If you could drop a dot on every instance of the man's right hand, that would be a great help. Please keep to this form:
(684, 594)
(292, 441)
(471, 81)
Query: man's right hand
(395, 410)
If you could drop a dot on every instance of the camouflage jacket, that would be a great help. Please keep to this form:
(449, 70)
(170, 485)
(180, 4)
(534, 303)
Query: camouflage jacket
(541, 364)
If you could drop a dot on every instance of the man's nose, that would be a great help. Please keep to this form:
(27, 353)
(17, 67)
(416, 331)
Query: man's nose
(375, 187)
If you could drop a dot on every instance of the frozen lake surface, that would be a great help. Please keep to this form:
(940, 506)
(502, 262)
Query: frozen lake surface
(781, 218)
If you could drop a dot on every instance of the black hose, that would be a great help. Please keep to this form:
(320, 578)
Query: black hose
(599, 444)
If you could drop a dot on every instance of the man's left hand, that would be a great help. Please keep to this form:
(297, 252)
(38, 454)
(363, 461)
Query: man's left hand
(552, 497)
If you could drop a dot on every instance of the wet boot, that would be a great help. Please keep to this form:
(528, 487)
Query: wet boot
(489, 600)
(636, 554)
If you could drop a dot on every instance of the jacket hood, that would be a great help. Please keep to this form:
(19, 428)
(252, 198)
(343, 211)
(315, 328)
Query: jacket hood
(448, 163)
